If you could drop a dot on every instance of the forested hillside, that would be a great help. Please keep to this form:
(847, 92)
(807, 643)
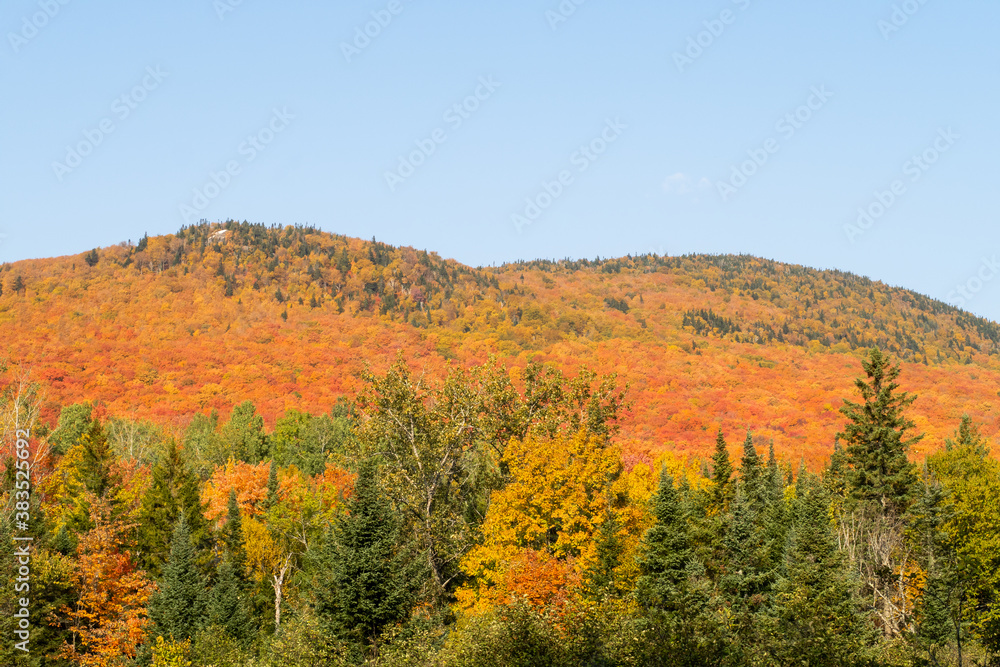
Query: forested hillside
(242, 446)
(289, 317)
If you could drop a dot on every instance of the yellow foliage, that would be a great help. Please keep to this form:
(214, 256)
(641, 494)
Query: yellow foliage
(555, 501)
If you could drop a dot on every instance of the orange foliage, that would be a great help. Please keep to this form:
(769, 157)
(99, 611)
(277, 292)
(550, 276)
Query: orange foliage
(109, 618)
(249, 481)
(706, 342)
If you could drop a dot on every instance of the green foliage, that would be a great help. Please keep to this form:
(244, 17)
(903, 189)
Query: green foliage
(601, 580)
(74, 421)
(667, 553)
(227, 604)
(243, 435)
(178, 607)
(173, 492)
(369, 578)
(721, 491)
(880, 473)
(232, 538)
(818, 621)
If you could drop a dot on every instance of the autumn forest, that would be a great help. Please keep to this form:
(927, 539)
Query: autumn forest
(245, 445)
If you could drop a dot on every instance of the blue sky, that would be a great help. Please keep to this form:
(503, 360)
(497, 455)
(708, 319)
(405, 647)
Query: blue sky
(492, 131)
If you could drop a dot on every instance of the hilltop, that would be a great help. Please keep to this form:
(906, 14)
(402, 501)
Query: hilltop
(288, 317)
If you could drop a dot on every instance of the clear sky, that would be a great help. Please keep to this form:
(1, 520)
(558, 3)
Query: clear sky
(586, 128)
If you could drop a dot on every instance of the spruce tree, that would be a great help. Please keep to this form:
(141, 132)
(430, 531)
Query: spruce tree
(232, 538)
(667, 552)
(876, 435)
(272, 486)
(369, 578)
(177, 609)
(935, 611)
(721, 490)
(174, 491)
(601, 580)
(752, 477)
(819, 621)
(227, 605)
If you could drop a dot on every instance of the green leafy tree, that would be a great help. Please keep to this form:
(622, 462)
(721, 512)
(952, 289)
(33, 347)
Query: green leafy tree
(204, 445)
(243, 435)
(971, 477)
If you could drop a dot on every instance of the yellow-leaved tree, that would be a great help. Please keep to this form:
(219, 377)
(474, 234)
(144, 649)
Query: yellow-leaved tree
(538, 534)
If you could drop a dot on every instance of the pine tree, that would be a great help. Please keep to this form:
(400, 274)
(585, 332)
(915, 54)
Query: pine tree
(936, 618)
(227, 605)
(369, 579)
(753, 480)
(601, 580)
(722, 471)
(174, 491)
(178, 608)
(880, 473)
(819, 621)
(667, 552)
(232, 538)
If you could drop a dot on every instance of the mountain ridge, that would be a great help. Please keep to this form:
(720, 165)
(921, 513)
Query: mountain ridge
(289, 316)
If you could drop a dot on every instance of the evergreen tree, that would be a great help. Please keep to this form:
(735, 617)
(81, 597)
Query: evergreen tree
(178, 607)
(667, 552)
(369, 579)
(936, 612)
(876, 436)
(232, 538)
(752, 477)
(74, 421)
(677, 625)
(227, 605)
(722, 472)
(819, 621)
(174, 491)
(601, 580)
(96, 466)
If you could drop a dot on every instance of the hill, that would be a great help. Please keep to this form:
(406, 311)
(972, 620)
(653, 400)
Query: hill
(288, 317)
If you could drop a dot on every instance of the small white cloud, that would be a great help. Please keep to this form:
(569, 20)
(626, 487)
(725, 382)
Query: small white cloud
(678, 184)
(682, 184)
